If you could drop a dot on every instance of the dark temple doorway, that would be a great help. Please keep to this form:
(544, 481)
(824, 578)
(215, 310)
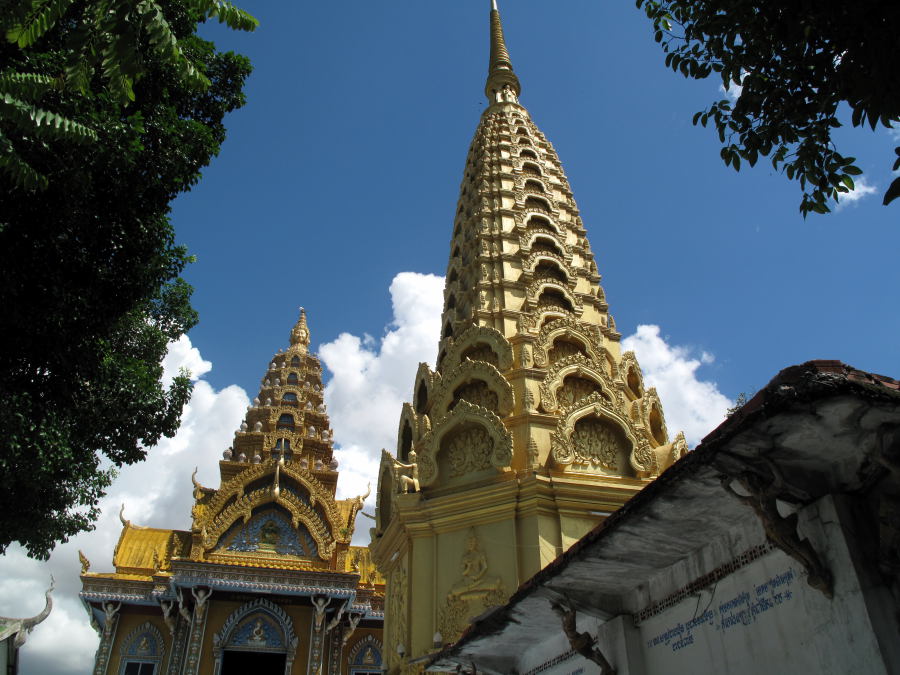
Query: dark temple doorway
(252, 663)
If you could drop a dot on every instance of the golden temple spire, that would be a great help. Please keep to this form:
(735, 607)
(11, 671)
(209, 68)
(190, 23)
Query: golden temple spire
(502, 83)
(300, 333)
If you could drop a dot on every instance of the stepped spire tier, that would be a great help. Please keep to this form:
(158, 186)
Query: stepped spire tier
(266, 579)
(534, 425)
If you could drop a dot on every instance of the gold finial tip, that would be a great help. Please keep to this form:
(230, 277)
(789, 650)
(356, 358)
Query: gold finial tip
(300, 333)
(502, 84)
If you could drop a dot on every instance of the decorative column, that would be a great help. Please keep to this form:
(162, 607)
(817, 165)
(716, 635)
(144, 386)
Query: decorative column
(107, 635)
(317, 643)
(198, 627)
(176, 658)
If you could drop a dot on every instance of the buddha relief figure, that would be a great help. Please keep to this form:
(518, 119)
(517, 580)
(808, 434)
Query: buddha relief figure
(474, 569)
(368, 658)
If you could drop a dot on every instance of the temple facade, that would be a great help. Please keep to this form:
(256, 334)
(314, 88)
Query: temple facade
(534, 425)
(266, 580)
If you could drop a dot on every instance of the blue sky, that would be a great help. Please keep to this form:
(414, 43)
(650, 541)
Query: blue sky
(344, 167)
(336, 190)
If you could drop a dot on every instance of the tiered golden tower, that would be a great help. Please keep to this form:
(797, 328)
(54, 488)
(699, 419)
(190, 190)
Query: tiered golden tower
(266, 579)
(534, 425)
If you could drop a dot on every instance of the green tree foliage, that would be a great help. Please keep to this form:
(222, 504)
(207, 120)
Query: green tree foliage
(109, 38)
(89, 272)
(796, 63)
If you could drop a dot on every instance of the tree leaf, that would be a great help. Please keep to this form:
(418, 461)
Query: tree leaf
(892, 192)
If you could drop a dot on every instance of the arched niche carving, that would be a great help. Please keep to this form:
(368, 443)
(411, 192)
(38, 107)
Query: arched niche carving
(257, 626)
(638, 457)
(387, 487)
(144, 644)
(533, 184)
(365, 655)
(407, 432)
(542, 242)
(632, 376)
(463, 416)
(537, 223)
(579, 366)
(477, 392)
(565, 346)
(541, 288)
(465, 450)
(453, 273)
(577, 386)
(481, 335)
(481, 351)
(654, 419)
(243, 506)
(236, 487)
(423, 388)
(469, 372)
(530, 169)
(544, 257)
(546, 267)
(570, 329)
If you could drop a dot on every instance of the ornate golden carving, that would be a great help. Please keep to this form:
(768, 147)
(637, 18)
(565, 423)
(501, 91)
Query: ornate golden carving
(578, 366)
(469, 450)
(574, 388)
(485, 335)
(595, 443)
(562, 446)
(397, 607)
(445, 393)
(474, 591)
(477, 392)
(464, 413)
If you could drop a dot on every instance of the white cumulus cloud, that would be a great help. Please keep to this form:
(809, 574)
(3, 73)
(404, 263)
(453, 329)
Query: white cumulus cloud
(156, 493)
(371, 378)
(690, 404)
(182, 354)
(861, 189)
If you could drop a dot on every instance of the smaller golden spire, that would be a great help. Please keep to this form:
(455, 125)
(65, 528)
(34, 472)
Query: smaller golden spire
(502, 83)
(300, 333)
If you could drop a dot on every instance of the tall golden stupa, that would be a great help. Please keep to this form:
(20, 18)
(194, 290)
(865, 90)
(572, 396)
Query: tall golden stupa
(534, 425)
(266, 580)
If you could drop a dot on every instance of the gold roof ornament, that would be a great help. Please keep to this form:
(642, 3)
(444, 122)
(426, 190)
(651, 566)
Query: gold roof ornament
(502, 83)
(300, 334)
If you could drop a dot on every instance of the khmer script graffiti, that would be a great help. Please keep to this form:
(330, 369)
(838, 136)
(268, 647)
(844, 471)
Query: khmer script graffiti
(735, 613)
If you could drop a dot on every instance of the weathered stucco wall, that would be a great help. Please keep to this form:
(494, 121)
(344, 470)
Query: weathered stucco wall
(763, 617)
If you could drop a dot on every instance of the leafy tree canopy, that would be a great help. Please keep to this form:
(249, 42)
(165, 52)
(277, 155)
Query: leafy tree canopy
(795, 62)
(90, 285)
(110, 40)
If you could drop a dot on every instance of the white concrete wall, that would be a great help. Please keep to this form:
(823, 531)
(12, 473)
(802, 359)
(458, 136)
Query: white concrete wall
(763, 618)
